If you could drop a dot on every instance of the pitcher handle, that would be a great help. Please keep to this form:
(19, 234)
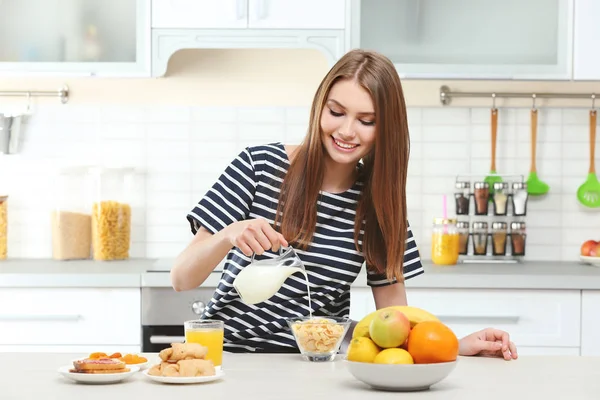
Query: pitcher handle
(280, 252)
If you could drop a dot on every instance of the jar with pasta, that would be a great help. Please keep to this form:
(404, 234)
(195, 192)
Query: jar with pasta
(71, 216)
(111, 213)
(3, 227)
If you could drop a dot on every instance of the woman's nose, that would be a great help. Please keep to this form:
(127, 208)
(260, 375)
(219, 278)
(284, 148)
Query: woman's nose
(346, 130)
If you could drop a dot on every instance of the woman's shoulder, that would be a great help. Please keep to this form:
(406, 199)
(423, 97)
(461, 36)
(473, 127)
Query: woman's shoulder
(273, 152)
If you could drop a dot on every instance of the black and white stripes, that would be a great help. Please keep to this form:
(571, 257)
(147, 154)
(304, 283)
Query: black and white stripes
(249, 188)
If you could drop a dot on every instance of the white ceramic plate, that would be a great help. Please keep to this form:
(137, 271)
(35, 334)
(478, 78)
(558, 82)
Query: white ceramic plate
(97, 378)
(219, 374)
(595, 261)
(141, 366)
(400, 377)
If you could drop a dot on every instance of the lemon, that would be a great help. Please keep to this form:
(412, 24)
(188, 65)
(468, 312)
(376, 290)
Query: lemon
(393, 356)
(362, 349)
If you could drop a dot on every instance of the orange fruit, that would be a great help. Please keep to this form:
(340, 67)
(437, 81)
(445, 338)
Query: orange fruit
(432, 342)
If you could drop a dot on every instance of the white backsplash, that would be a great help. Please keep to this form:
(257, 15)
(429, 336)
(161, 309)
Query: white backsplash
(182, 150)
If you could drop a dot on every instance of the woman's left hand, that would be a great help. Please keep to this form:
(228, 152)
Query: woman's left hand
(488, 342)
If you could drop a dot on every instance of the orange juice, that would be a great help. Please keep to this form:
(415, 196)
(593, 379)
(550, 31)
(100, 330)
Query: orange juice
(212, 338)
(444, 248)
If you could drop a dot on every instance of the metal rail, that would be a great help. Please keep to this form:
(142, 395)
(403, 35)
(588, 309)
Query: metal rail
(62, 93)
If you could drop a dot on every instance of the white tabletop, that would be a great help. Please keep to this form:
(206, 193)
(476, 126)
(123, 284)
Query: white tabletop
(287, 377)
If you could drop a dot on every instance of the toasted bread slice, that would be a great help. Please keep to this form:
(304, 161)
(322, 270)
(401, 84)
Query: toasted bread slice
(100, 371)
(98, 364)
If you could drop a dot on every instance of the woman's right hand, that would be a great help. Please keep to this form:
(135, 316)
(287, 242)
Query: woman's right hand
(255, 236)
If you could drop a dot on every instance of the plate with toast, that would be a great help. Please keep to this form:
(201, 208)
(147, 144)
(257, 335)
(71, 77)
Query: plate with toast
(104, 370)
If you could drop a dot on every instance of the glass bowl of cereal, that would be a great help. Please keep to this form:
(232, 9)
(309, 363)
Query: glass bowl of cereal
(319, 338)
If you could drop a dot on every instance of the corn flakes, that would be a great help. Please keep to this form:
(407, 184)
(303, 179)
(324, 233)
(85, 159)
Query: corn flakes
(111, 230)
(318, 335)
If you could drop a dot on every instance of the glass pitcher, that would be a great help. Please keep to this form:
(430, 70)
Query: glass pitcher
(260, 280)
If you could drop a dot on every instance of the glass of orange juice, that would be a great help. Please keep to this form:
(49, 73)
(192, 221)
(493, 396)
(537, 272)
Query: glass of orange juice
(208, 333)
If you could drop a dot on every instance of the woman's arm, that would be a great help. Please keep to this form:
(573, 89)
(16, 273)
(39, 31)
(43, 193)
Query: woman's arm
(389, 295)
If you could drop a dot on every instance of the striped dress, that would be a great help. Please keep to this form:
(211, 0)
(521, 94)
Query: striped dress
(249, 188)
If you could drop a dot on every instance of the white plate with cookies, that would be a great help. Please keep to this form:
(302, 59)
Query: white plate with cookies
(219, 374)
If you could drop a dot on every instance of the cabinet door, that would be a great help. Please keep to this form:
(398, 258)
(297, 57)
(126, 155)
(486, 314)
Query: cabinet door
(586, 62)
(294, 14)
(590, 323)
(469, 38)
(75, 36)
(199, 14)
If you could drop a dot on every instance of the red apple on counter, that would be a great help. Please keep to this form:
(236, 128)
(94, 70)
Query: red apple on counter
(590, 248)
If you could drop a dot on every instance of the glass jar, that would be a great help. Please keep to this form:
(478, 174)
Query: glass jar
(463, 237)
(71, 217)
(519, 198)
(111, 213)
(517, 238)
(3, 227)
(482, 196)
(480, 238)
(463, 197)
(499, 238)
(500, 198)
(444, 241)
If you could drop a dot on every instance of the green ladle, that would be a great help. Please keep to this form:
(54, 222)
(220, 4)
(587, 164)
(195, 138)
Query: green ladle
(535, 186)
(588, 194)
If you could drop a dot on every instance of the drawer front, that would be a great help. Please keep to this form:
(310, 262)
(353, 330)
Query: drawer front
(70, 316)
(590, 324)
(537, 318)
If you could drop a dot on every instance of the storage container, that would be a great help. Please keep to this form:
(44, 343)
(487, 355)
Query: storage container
(518, 235)
(482, 196)
(462, 197)
(499, 238)
(480, 238)
(111, 213)
(519, 198)
(71, 217)
(444, 241)
(500, 198)
(463, 237)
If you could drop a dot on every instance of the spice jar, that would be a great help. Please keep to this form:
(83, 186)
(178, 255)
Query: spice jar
(480, 238)
(463, 237)
(111, 213)
(500, 198)
(517, 237)
(444, 241)
(519, 198)
(499, 238)
(463, 197)
(482, 196)
(3, 227)
(71, 218)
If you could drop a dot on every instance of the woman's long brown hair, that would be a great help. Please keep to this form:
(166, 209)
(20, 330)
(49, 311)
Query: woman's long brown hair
(382, 205)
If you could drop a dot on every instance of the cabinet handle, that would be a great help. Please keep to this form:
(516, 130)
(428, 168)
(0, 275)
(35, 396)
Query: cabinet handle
(477, 319)
(261, 9)
(242, 9)
(166, 339)
(41, 318)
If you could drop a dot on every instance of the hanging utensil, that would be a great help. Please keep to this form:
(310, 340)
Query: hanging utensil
(588, 193)
(535, 186)
(493, 176)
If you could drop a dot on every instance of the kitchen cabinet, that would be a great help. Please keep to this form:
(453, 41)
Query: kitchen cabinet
(246, 24)
(540, 322)
(590, 323)
(586, 62)
(75, 37)
(470, 39)
(70, 318)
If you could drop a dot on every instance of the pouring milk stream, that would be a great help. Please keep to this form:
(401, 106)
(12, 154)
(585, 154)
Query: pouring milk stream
(260, 280)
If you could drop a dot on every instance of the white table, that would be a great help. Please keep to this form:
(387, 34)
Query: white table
(288, 377)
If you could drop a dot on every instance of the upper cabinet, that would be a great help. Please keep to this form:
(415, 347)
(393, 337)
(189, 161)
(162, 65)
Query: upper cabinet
(78, 37)
(485, 39)
(231, 24)
(586, 63)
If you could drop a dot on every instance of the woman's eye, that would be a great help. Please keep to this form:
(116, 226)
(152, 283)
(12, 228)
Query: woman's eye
(367, 123)
(335, 114)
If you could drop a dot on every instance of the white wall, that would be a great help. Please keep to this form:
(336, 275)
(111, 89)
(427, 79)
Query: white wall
(183, 142)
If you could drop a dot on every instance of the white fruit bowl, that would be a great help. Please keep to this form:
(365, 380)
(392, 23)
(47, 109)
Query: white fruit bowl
(595, 261)
(400, 377)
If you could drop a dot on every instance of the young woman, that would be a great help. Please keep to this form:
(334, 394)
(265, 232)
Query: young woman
(339, 199)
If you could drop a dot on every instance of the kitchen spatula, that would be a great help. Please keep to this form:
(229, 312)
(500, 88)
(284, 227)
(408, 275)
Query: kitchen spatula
(535, 186)
(588, 194)
(493, 177)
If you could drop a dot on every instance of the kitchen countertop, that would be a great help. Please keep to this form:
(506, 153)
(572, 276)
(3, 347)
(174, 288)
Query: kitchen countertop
(276, 376)
(135, 273)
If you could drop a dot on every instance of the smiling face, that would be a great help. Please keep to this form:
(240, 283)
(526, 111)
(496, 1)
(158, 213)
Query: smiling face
(348, 123)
